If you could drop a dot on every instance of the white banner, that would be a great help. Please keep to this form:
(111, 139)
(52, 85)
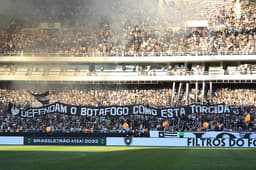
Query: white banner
(183, 142)
(116, 141)
(212, 134)
(11, 140)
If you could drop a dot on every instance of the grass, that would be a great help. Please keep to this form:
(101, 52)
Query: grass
(124, 158)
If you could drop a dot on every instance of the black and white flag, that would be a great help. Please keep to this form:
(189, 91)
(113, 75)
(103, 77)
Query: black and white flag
(13, 109)
(41, 97)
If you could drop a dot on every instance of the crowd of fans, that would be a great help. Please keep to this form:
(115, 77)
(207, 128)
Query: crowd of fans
(245, 99)
(230, 31)
(136, 34)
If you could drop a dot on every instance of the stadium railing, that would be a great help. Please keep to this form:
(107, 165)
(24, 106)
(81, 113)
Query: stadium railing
(124, 54)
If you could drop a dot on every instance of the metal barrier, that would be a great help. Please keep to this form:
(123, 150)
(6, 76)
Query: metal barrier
(124, 54)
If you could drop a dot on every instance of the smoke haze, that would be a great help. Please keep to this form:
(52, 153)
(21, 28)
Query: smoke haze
(89, 10)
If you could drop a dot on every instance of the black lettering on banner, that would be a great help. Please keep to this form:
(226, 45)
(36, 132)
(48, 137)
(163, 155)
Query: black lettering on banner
(190, 142)
(224, 139)
(216, 142)
(240, 142)
(209, 142)
(251, 142)
(222, 142)
(232, 142)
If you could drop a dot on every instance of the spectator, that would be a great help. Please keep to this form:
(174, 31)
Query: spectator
(244, 98)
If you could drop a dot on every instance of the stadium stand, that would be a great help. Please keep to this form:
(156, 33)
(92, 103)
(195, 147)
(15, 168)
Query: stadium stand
(139, 62)
(226, 34)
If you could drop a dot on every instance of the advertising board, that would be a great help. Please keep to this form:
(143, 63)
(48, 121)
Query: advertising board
(83, 141)
(184, 142)
(11, 140)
